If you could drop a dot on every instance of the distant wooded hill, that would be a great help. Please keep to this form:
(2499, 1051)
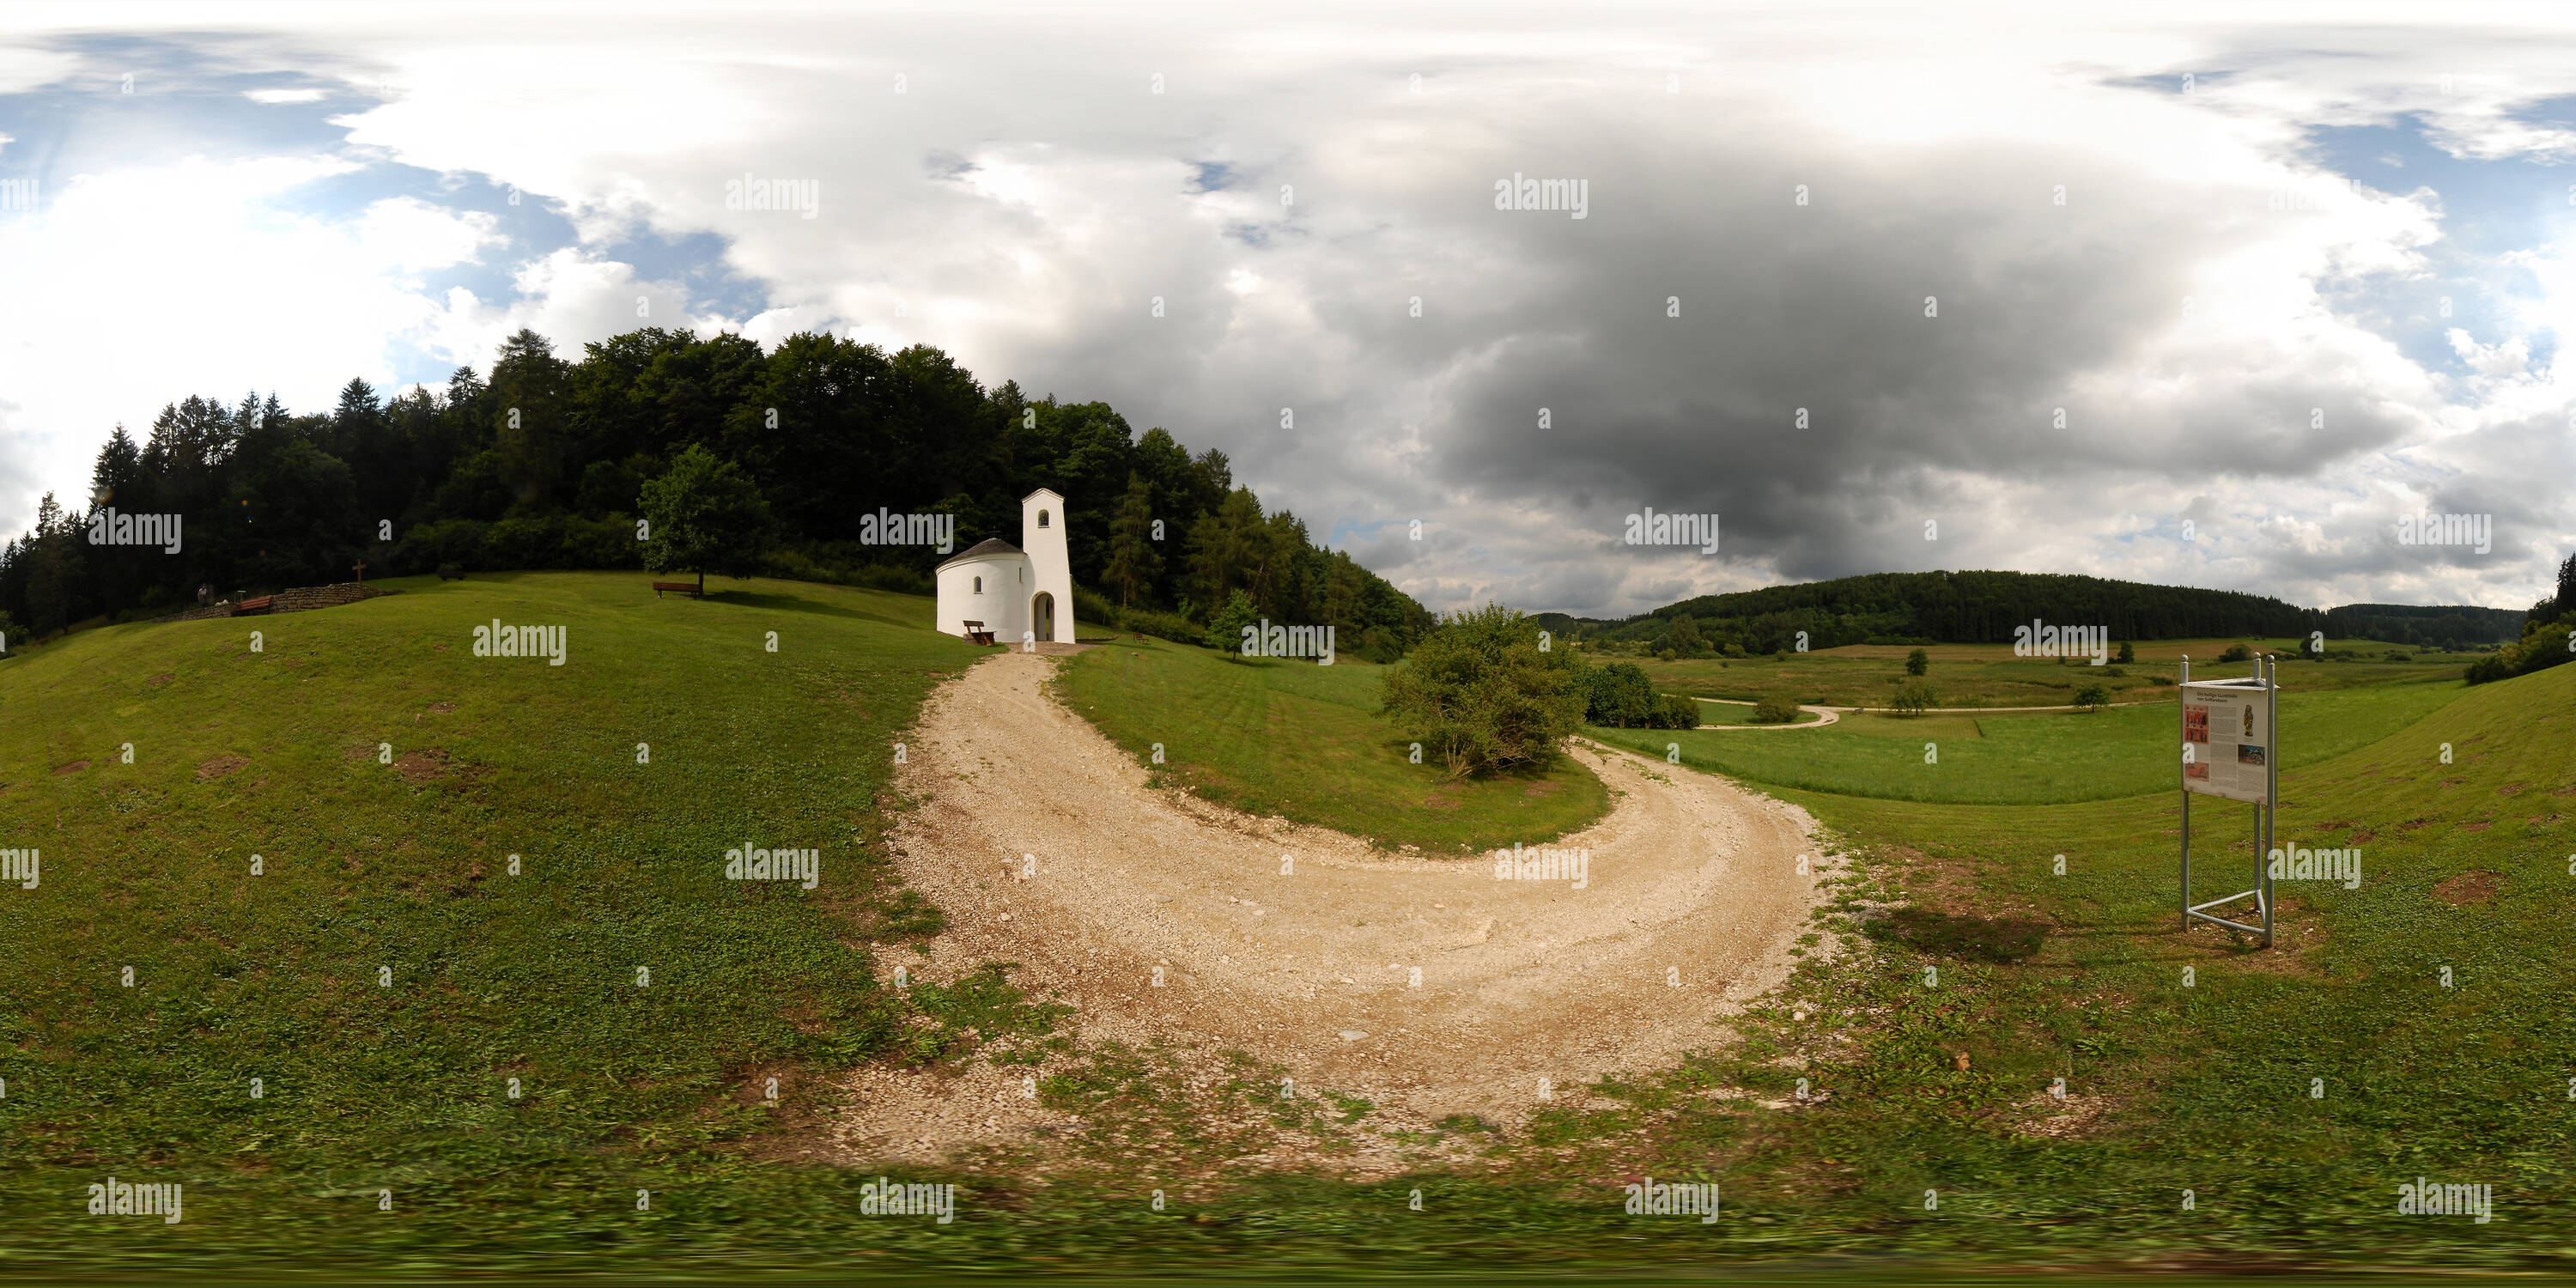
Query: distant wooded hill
(1984, 607)
(2418, 624)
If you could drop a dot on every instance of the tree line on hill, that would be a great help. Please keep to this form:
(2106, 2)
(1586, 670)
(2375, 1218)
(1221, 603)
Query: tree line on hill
(1985, 607)
(541, 464)
(2446, 626)
(2548, 635)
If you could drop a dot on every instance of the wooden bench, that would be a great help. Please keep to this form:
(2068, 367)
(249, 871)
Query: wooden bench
(687, 588)
(250, 607)
(976, 634)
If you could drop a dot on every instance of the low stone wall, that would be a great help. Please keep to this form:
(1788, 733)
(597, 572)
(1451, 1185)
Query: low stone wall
(197, 614)
(294, 600)
(306, 598)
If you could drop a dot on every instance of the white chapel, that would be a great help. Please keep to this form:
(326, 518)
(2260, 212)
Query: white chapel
(1018, 592)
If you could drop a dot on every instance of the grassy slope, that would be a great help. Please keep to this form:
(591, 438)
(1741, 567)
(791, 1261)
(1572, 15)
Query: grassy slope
(275, 976)
(2030, 757)
(2205, 1087)
(2208, 1086)
(1988, 675)
(1302, 741)
(1736, 713)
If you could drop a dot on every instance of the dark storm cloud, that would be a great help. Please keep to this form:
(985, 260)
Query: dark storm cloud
(1103, 209)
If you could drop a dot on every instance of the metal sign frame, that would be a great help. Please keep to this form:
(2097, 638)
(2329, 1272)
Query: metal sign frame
(2266, 681)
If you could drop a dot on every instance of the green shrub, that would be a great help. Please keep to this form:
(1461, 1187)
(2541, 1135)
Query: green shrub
(1917, 662)
(1225, 628)
(1478, 688)
(1775, 711)
(1675, 711)
(1912, 698)
(429, 545)
(2543, 645)
(2237, 653)
(1618, 694)
(1160, 625)
(2093, 696)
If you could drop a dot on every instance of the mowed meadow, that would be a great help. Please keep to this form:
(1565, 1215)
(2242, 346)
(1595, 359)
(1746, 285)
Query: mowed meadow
(448, 1051)
(1301, 741)
(1988, 675)
(642, 1001)
(2025, 757)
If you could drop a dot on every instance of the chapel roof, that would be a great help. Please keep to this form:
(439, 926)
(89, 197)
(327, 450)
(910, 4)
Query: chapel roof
(981, 549)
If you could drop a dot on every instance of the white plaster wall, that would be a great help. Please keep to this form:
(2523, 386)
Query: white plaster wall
(1002, 608)
(1050, 567)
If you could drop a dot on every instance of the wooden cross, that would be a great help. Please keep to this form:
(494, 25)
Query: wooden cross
(360, 568)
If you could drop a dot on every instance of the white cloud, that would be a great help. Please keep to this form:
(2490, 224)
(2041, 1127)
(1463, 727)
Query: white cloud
(1027, 197)
(134, 288)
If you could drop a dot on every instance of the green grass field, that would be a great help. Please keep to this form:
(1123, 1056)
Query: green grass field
(1303, 742)
(399, 1094)
(1736, 713)
(2027, 758)
(625, 1081)
(1988, 675)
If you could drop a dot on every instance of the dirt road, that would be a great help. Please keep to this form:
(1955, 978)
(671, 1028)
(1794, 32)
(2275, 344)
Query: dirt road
(1426, 984)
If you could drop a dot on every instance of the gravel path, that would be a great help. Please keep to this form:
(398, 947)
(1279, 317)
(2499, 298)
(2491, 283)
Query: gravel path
(1300, 945)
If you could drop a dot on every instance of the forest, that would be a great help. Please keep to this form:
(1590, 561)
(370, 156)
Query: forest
(1984, 607)
(541, 464)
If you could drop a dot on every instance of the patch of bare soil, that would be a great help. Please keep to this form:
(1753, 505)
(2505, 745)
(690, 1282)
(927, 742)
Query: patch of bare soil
(220, 766)
(72, 768)
(2047, 1116)
(1425, 987)
(421, 766)
(2471, 887)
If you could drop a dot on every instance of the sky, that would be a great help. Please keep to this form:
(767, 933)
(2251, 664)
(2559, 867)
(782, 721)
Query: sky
(2212, 296)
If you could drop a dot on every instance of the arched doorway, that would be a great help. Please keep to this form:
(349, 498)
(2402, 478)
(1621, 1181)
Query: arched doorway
(1042, 617)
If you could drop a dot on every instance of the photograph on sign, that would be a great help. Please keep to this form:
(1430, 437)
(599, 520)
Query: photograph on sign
(2225, 747)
